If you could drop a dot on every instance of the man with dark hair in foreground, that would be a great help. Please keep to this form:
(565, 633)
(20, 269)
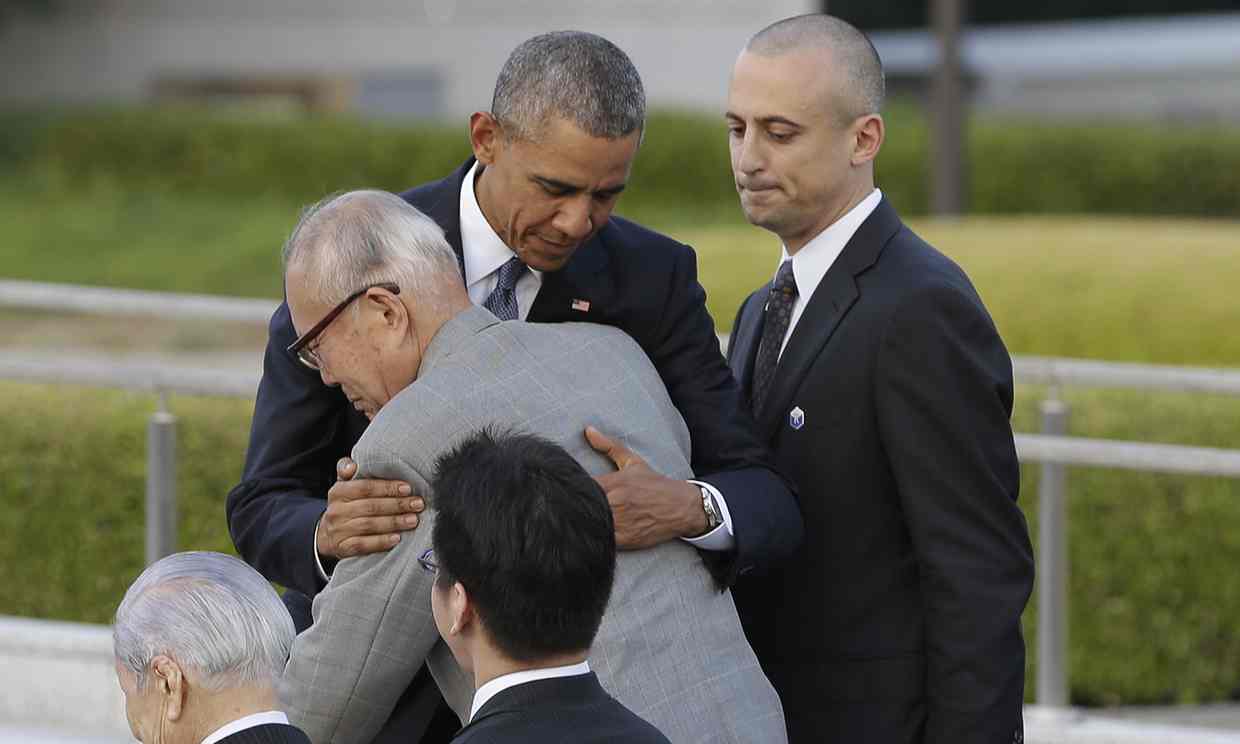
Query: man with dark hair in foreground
(519, 593)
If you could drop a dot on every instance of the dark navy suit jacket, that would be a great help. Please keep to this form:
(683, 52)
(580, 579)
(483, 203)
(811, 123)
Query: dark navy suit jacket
(563, 710)
(898, 619)
(633, 278)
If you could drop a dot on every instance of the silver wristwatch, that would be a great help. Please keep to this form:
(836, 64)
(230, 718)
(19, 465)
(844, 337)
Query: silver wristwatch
(713, 518)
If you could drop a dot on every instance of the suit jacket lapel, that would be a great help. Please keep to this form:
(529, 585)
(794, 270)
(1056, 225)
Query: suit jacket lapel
(830, 302)
(743, 346)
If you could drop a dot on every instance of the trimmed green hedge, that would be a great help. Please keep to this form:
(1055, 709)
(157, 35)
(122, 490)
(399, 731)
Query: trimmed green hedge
(1015, 166)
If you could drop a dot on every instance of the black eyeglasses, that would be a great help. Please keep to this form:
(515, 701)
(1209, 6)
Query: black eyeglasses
(301, 347)
(427, 561)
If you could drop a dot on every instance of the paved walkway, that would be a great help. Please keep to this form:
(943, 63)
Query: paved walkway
(20, 735)
(1219, 716)
(1126, 726)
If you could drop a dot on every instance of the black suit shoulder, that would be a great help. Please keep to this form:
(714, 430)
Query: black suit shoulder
(645, 244)
(272, 733)
(423, 196)
(550, 711)
(913, 268)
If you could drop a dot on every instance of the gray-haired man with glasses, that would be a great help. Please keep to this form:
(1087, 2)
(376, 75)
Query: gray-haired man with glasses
(431, 369)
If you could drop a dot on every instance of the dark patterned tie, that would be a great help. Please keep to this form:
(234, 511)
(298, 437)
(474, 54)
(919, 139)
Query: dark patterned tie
(502, 301)
(779, 302)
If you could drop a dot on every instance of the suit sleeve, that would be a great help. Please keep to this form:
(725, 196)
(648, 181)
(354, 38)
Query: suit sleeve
(726, 452)
(944, 398)
(297, 435)
(372, 631)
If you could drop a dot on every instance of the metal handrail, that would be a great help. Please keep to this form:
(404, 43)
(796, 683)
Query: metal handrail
(1111, 453)
(97, 370)
(1034, 370)
(132, 302)
(1039, 370)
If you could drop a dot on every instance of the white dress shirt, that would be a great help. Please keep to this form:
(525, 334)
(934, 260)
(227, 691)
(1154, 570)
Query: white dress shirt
(810, 264)
(503, 682)
(241, 724)
(485, 252)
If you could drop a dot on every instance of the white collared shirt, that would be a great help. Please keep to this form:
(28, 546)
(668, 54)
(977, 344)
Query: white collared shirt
(503, 682)
(485, 252)
(810, 264)
(241, 724)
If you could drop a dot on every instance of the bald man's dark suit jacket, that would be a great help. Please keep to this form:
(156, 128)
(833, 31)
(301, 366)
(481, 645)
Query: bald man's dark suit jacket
(898, 619)
(625, 276)
(271, 733)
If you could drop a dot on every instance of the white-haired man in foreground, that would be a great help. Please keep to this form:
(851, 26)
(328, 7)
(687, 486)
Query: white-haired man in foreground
(200, 639)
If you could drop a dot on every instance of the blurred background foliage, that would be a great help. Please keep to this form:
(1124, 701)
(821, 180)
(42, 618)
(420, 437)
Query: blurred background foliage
(1015, 166)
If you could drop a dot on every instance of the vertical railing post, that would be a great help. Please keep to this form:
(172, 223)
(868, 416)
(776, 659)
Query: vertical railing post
(161, 495)
(948, 112)
(1052, 683)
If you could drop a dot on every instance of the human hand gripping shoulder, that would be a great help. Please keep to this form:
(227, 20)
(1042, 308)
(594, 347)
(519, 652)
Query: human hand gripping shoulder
(363, 516)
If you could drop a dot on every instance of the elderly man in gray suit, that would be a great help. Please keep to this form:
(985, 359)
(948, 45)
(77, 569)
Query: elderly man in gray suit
(376, 293)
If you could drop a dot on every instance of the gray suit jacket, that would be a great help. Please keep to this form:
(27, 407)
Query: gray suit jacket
(670, 648)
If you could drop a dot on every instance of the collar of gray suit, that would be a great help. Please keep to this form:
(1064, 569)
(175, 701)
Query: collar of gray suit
(458, 330)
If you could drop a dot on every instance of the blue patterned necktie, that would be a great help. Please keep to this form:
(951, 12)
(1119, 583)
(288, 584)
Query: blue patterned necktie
(779, 302)
(502, 302)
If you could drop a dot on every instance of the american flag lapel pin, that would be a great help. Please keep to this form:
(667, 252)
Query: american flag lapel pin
(582, 306)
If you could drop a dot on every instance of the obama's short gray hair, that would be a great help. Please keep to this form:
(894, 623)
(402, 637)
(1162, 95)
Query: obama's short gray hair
(573, 75)
(212, 614)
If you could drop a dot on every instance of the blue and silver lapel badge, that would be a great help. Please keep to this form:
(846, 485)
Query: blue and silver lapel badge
(796, 418)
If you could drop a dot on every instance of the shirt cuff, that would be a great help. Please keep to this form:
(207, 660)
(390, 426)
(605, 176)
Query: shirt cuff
(721, 538)
(314, 548)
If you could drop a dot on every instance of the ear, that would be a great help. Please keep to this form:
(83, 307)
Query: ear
(386, 309)
(460, 610)
(870, 132)
(170, 685)
(486, 136)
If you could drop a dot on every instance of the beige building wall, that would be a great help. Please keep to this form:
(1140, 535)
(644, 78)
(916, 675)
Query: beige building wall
(114, 50)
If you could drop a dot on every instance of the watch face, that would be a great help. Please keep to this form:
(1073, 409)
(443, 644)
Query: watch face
(713, 519)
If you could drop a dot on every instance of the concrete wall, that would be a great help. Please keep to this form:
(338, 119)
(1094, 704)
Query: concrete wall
(112, 50)
(1183, 68)
(57, 676)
